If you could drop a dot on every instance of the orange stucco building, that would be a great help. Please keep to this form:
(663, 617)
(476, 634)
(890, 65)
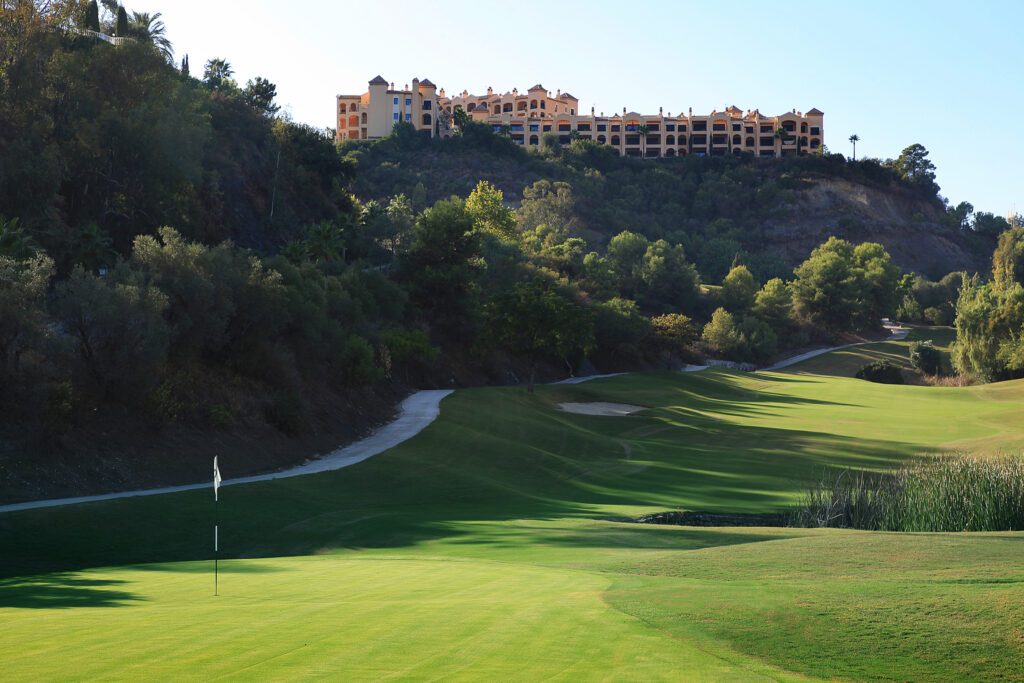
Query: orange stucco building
(526, 117)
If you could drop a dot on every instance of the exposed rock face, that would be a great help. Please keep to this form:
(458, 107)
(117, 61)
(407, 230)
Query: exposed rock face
(906, 225)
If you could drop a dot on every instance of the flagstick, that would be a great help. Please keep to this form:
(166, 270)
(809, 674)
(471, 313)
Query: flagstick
(216, 529)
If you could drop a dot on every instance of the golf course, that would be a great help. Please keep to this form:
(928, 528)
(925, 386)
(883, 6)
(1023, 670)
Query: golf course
(499, 544)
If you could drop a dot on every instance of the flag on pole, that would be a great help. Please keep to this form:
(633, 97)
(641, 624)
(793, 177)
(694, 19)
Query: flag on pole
(216, 477)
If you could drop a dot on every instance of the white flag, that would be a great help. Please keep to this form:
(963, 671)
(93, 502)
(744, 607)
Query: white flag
(216, 477)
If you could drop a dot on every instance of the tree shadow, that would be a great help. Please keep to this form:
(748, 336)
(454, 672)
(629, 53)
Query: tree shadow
(62, 591)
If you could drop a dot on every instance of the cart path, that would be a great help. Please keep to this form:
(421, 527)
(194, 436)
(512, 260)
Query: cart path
(415, 413)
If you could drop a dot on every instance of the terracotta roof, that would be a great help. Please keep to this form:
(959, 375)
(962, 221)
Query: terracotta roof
(815, 112)
(537, 87)
(378, 81)
(426, 81)
(570, 97)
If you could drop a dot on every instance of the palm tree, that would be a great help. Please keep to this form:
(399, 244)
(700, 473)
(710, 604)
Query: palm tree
(94, 249)
(855, 139)
(150, 28)
(642, 130)
(217, 71)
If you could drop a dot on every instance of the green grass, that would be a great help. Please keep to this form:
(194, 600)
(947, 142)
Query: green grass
(846, 362)
(487, 547)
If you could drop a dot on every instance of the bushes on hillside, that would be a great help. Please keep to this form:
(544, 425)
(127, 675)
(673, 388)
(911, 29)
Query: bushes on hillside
(925, 358)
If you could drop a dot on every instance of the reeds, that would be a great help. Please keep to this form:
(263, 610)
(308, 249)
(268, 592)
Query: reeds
(950, 493)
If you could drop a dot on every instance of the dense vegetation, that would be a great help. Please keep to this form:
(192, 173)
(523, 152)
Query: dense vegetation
(954, 493)
(169, 244)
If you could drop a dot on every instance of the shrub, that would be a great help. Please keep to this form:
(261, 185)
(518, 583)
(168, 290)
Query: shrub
(926, 358)
(881, 371)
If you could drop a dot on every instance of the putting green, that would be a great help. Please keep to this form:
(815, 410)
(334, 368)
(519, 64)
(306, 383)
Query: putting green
(486, 548)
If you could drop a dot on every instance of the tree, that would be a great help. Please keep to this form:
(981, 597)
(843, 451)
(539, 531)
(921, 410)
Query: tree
(774, 304)
(826, 288)
(460, 118)
(486, 205)
(259, 94)
(642, 132)
(91, 19)
(914, 166)
(123, 28)
(547, 203)
(118, 329)
(720, 332)
(534, 320)
(1008, 258)
(926, 358)
(150, 29)
(184, 66)
(94, 249)
(441, 268)
(854, 139)
(672, 334)
(626, 253)
(667, 281)
(15, 243)
(217, 73)
(23, 323)
(739, 289)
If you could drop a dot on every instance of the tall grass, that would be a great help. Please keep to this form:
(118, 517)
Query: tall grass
(952, 493)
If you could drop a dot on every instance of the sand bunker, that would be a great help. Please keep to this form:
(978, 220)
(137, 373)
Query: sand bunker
(600, 408)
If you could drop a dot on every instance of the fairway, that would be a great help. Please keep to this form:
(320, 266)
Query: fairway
(493, 545)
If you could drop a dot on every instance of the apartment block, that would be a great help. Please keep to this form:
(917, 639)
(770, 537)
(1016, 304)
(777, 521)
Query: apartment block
(526, 117)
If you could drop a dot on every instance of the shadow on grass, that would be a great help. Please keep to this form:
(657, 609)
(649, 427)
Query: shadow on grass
(225, 566)
(62, 591)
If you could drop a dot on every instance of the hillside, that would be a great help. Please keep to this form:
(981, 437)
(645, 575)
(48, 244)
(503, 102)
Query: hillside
(714, 207)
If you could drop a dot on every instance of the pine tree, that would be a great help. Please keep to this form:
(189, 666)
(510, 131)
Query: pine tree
(184, 65)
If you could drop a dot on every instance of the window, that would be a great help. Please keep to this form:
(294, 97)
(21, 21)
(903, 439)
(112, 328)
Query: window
(396, 100)
(718, 126)
(396, 116)
(615, 128)
(572, 111)
(564, 126)
(815, 130)
(583, 126)
(736, 127)
(602, 127)
(408, 117)
(534, 127)
(670, 127)
(700, 125)
(547, 128)
(748, 129)
(767, 129)
(408, 101)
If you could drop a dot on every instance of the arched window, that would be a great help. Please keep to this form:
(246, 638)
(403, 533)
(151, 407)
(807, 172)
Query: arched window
(670, 139)
(736, 140)
(600, 138)
(497, 109)
(615, 140)
(533, 104)
(364, 117)
(737, 150)
(426, 119)
(471, 106)
(352, 107)
(803, 127)
(353, 121)
(670, 152)
(815, 143)
(682, 139)
(534, 140)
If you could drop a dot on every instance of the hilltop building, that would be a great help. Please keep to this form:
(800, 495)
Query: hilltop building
(525, 117)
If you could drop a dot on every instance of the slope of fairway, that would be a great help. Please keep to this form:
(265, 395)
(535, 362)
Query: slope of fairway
(484, 548)
(846, 362)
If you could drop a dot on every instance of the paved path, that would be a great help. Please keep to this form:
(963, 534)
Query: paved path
(895, 331)
(415, 413)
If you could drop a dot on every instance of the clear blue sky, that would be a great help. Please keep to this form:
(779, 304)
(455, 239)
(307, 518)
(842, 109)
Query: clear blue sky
(949, 75)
